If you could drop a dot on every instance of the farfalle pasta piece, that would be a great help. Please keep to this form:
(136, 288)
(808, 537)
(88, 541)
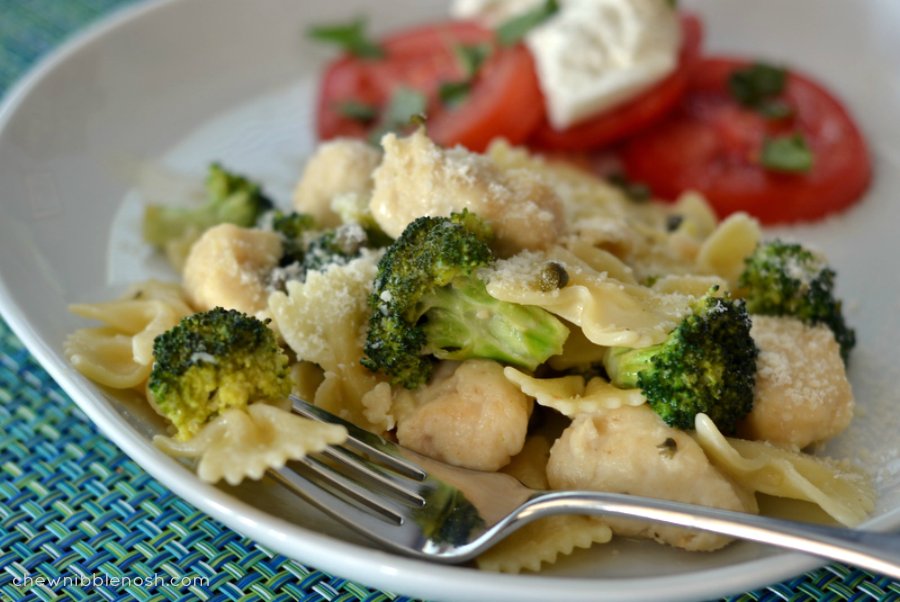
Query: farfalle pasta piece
(583, 194)
(724, 251)
(840, 489)
(571, 396)
(144, 311)
(238, 444)
(106, 356)
(611, 313)
(323, 320)
(543, 542)
(688, 284)
(546, 539)
(120, 355)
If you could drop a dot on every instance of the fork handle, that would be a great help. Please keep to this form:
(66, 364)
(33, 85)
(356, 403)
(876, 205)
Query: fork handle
(879, 552)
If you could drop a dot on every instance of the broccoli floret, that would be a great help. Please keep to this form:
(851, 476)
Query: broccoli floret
(335, 247)
(231, 199)
(783, 279)
(427, 301)
(213, 361)
(706, 365)
(291, 227)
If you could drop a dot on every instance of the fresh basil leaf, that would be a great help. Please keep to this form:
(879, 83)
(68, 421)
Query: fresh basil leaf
(350, 37)
(454, 93)
(358, 111)
(516, 28)
(404, 104)
(471, 58)
(787, 154)
(406, 107)
(756, 84)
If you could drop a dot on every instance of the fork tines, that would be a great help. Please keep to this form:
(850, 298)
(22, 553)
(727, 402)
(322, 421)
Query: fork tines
(370, 476)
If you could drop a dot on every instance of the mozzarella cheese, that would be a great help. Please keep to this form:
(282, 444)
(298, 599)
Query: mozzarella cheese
(592, 55)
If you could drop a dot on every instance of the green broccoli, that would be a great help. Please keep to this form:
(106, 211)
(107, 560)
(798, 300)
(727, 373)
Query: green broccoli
(427, 301)
(335, 247)
(291, 227)
(213, 361)
(231, 199)
(706, 365)
(784, 279)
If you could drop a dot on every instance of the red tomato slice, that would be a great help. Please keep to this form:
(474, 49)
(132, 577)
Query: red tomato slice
(637, 114)
(505, 99)
(712, 145)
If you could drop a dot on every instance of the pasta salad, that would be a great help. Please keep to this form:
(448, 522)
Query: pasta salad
(500, 311)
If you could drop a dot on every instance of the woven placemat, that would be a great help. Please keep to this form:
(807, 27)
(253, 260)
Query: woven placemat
(80, 521)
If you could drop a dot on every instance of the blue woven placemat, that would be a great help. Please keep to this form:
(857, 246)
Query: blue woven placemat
(80, 521)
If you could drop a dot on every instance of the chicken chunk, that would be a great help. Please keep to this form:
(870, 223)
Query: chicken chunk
(802, 394)
(469, 415)
(339, 167)
(631, 450)
(227, 268)
(418, 178)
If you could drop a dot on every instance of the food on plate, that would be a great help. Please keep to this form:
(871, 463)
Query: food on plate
(213, 361)
(707, 365)
(426, 301)
(784, 279)
(470, 95)
(594, 79)
(785, 151)
(626, 347)
(621, 120)
(230, 199)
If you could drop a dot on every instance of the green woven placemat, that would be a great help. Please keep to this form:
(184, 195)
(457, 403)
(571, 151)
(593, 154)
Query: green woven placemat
(80, 521)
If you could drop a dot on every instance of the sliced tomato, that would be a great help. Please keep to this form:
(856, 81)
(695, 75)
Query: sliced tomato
(712, 144)
(503, 100)
(645, 110)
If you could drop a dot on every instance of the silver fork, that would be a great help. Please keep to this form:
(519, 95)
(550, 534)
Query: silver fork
(420, 507)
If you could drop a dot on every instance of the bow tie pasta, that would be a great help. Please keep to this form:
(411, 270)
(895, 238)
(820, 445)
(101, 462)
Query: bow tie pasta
(498, 311)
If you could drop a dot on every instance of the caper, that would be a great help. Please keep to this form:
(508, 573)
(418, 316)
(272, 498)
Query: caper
(553, 276)
(668, 448)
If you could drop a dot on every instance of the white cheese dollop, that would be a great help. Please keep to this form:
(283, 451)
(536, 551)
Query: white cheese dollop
(592, 55)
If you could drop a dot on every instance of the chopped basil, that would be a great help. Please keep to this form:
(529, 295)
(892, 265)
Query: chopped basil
(404, 104)
(351, 37)
(516, 28)
(358, 111)
(471, 58)
(454, 93)
(787, 154)
(406, 107)
(757, 86)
